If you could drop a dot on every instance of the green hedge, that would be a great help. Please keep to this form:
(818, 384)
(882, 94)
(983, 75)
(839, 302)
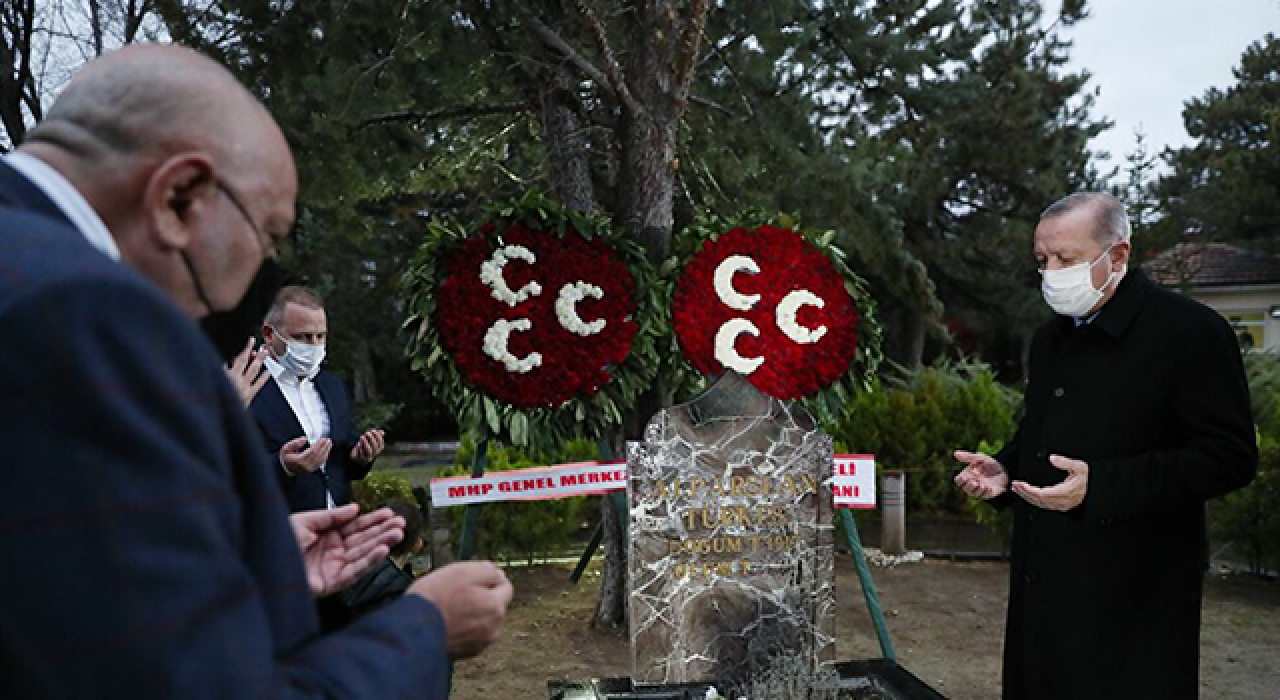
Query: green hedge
(1263, 371)
(377, 488)
(525, 530)
(1249, 518)
(915, 423)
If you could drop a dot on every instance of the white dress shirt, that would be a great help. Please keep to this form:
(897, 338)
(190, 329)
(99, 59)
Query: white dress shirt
(68, 199)
(308, 408)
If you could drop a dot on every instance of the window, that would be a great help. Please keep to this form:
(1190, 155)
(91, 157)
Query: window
(1250, 328)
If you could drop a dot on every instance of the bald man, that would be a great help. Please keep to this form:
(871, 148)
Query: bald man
(146, 548)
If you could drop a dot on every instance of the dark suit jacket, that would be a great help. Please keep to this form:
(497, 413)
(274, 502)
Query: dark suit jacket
(278, 425)
(1105, 599)
(145, 550)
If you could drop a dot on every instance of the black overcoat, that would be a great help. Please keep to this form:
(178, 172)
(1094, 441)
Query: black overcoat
(1104, 599)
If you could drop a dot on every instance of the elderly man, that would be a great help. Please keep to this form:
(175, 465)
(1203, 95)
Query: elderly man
(304, 412)
(147, 550)
(1137, 412)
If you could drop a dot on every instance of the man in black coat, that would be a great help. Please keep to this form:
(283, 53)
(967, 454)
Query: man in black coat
(1136, 412)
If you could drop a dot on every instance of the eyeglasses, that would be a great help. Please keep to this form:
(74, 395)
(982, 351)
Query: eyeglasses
(269, 248)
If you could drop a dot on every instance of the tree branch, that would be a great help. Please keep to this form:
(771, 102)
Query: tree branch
(557, 42)
(705, 102)
(690, 42)
(134, 15)
(728, 45)
(617, 79)
(464, 111)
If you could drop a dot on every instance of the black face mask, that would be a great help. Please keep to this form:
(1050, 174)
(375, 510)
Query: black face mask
(230, 330)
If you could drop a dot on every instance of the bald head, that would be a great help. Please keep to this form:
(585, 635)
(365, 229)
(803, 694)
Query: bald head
(186, 168)
(151, 100)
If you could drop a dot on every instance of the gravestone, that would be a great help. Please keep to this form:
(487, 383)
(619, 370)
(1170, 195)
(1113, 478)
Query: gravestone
(731, 540)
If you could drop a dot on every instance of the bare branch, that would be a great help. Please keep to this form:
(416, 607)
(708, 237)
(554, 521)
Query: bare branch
(558, 43)
(134, 15)
(690, 42)
(705, 102)
(464, 111)
(617, 78)
(727, 46)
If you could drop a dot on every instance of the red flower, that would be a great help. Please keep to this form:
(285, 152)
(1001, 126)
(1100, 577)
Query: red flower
(572, 365)
(787, 263)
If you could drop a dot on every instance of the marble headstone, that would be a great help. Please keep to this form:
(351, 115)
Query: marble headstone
(731, 539)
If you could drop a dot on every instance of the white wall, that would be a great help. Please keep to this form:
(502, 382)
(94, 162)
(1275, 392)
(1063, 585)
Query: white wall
(1242, 300)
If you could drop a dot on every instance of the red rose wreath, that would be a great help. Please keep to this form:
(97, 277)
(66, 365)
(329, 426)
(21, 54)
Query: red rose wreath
(779, 307)
(530, 327)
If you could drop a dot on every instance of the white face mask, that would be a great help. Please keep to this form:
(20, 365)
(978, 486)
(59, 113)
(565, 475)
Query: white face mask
(1070, 291)
(301, 359)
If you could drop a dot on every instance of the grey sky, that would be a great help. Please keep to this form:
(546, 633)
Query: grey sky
(1150, 56)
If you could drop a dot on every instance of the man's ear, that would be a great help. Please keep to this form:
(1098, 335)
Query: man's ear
(1121, 252)
(179, 194)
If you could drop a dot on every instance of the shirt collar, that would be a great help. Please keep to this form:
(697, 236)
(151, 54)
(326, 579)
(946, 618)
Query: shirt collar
(69, 201)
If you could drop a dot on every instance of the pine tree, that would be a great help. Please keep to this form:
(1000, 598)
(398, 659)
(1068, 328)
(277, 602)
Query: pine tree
(1226, 186)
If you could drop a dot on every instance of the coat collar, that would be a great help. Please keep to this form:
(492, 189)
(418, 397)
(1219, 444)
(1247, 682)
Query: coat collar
(20, 193)
(68, 200)
(1116, 315)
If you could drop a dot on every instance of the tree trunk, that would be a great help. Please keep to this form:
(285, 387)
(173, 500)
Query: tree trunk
(365, 388)
(611, 609)
(17, 86)
(568, 152)
(565, 140)
(95, 26)
(647, 182)
(660, 58)
(916, 330)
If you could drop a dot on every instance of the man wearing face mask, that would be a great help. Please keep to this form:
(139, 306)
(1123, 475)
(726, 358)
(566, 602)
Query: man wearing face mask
(1136, 412)
(145, 548)
(304, 412)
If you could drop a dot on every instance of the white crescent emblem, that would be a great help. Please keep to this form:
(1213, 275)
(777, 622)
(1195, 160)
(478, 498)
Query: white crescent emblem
(786, 317)
(567, 308)
(726, 346)
(724, 282)
(491, 275)
(495, 345)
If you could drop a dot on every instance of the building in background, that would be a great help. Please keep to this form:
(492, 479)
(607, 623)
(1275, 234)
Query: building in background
(1241, 284)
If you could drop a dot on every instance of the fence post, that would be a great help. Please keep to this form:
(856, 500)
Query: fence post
(893, 499)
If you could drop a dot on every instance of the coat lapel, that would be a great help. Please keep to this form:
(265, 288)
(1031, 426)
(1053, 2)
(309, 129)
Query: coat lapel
(326, 396)
(278, 405)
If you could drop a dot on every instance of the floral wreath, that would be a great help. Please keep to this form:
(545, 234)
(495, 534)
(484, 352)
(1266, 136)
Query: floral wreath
(779, 305)
(535, 328)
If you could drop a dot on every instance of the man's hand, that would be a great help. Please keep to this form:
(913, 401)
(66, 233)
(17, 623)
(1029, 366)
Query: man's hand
(982, 477)
(369, 446)
(297, 457)
(246, 372)
(473, 598)
(1064, 496)
(339, 544)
